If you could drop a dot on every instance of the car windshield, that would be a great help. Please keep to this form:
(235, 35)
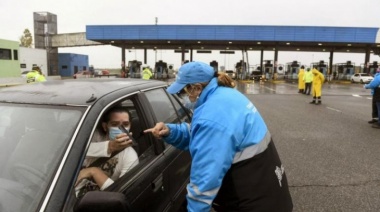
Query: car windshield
(364, 75)
(33, 139)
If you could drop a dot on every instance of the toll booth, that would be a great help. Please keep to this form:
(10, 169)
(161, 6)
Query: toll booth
(134, 67)
(322, 66)
(160, 70)
(372, 68)
(214, 64)
(256, 73)
(268, 69)
(171, 71)
(343, 71)
(292, 70)
(241, 70)
(280, 73)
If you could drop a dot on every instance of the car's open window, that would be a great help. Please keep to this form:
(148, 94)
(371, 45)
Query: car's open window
(162, 106)
(183, 113)
(143, 148)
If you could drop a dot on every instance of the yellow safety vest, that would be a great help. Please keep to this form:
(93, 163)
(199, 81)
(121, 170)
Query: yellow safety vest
(34, 76)
(146, 74)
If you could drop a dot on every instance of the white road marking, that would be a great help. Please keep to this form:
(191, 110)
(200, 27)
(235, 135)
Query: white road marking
(269, 88)
(355, 95)
(369, 98)
(336, 110)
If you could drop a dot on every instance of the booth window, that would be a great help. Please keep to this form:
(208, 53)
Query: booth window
(15, 54)
(5, 54)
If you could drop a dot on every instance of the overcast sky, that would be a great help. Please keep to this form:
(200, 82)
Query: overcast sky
(74, 15)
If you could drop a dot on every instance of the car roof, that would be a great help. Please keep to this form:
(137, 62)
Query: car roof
(72, 91)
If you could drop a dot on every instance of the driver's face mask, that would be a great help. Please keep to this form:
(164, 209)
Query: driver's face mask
(113, 132)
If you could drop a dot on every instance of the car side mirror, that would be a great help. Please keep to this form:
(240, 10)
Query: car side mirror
(102, 201)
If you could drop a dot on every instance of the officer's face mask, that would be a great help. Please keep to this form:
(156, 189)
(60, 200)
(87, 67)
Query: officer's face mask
(186, 100)
(113, 132)
(187, 103)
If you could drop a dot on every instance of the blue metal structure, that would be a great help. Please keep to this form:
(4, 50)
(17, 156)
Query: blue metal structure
(243, 38)
(69, 64)
(232, 33)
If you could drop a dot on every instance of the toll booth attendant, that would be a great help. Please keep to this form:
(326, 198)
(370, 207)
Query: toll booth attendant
(235, 165)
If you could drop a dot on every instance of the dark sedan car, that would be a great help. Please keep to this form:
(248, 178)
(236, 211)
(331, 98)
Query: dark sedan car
(45, 132)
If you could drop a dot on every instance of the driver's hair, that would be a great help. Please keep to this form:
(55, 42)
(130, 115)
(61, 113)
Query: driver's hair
(117, 109)
(107, 116)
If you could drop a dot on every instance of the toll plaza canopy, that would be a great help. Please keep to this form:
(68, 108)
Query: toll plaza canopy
(238, 37)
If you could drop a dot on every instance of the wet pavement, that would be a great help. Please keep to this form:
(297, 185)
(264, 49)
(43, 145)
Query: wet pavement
(330, 152)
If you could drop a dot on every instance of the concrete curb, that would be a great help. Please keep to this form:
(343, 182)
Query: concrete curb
(10, 84)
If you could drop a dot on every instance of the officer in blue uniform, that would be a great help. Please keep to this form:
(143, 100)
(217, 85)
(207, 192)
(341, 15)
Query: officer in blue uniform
(235, 165)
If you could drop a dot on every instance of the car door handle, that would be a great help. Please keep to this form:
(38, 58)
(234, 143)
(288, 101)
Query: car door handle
(158, 183)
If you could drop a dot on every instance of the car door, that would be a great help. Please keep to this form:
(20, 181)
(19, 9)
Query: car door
(356, 77)
(144, 182)
(144, 186)
(166, 108)
(158, 181)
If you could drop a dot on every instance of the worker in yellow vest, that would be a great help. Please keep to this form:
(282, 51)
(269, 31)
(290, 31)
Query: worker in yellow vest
(146, 73)
(35, 75)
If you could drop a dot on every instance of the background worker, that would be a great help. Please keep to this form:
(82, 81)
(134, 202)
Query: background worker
(308, 78)
(375, 115)
(35, 75)
(235, 165)
(146, 73)
(301, 82)
(375, 91)
(318, 80)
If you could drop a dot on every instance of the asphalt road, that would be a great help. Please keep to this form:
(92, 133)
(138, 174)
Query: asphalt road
(330, 153)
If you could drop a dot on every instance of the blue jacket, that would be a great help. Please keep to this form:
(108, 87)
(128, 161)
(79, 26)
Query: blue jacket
(374, 86)
(224, 124)
(372, 89)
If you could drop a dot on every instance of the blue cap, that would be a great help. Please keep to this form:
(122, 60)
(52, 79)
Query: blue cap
(190, 73)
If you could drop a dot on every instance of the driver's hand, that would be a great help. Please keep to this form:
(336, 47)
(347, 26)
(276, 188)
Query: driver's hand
(159, 131)
(121, 142)
(84, 174)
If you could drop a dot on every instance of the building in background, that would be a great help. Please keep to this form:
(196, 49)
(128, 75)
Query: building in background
(30, 57)
(69, 64)
(9, 58)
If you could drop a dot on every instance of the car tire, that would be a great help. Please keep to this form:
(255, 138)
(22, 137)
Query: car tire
(352, 80)
(361, 81)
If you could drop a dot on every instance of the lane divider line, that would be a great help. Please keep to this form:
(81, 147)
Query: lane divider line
(333, 109)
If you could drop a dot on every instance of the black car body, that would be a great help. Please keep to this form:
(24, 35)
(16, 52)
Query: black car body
(46, 129)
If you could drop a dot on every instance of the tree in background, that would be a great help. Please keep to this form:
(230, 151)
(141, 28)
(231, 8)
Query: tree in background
(26, 40)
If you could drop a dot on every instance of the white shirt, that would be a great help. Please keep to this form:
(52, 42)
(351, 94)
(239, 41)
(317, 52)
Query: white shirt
(126, 159)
